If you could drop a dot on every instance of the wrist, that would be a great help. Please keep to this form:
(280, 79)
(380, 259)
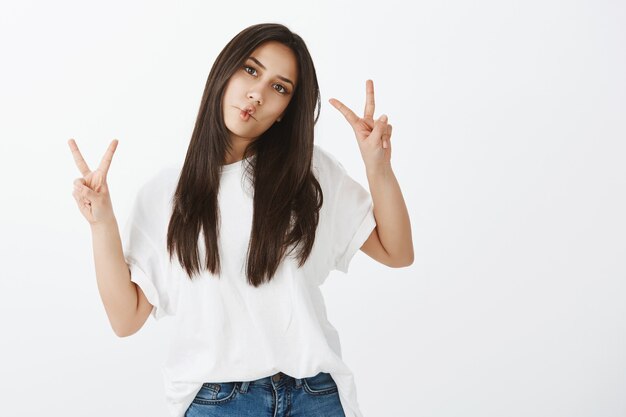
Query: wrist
(382, 169)
(103, 224)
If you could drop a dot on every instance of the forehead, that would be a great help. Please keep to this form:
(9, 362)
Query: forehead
(277, 59)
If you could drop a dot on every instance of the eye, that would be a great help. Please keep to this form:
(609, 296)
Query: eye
(284, 89)
(281, 90)
(246, 68)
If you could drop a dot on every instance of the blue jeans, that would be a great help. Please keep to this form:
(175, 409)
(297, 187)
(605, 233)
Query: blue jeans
(279, 395)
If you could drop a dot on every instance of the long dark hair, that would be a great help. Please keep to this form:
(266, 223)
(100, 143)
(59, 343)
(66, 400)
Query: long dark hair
(287, 196)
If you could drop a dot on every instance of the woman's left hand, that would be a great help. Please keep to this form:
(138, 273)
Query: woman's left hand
(373, 137)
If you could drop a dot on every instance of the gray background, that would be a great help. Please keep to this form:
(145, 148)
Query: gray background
(509, 128)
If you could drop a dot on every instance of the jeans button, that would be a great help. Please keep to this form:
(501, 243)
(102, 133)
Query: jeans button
(276, 377)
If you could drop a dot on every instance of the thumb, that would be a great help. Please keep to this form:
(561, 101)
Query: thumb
(82, 189)
(380, 127)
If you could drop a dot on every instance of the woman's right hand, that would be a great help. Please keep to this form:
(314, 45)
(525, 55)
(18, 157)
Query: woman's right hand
(91, 191)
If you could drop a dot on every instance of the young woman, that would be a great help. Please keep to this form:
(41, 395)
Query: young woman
(256, 218)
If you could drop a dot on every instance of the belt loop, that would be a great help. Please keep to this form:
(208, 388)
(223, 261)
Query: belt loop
(298, 382)
(244, 386)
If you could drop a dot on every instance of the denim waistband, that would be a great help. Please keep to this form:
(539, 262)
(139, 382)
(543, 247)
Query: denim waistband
(276, 381)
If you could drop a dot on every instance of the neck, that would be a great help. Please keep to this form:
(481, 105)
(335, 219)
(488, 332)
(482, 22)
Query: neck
(236, 153)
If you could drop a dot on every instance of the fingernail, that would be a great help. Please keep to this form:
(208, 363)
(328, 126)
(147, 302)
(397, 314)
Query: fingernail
(383, 118)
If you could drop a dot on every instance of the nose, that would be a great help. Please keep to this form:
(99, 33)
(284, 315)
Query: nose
(255, 97)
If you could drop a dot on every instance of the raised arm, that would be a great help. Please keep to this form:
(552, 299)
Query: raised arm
(123, 300)
(391, 241)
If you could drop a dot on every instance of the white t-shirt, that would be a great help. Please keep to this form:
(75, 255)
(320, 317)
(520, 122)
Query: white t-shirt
(225, 329)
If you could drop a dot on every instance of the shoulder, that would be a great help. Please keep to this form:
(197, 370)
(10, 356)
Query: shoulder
(154, 202)
(325, 163)
(163, 176)
(161, 184)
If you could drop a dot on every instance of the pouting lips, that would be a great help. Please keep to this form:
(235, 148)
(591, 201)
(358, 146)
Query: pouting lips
(250, 109)
(244, 115)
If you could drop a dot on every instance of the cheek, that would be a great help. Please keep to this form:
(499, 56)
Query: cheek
(234, 86)
(228, 95)
(281, 106)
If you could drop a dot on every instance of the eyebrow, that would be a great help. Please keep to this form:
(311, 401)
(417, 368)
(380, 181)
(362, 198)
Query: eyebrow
(287, 80)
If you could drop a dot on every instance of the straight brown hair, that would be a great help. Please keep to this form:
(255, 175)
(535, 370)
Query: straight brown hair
(287, 196)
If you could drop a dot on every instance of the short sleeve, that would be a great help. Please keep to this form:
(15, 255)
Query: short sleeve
(147, 261)
(352, 219)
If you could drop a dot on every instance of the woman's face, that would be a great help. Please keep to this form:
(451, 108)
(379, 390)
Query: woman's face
(263, 85)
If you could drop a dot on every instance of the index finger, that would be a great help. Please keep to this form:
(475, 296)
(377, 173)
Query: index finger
(348, 114)
(369, 100)
(78, 158)
(108, 157)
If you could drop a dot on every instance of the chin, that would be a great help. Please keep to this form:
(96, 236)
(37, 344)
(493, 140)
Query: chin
(242, 133)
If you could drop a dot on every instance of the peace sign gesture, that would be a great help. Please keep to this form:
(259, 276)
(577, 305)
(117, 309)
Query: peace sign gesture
(373, 137)
(91, 192)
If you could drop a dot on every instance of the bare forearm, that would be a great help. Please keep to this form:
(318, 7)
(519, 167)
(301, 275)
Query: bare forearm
(392, 216)
(117, 291)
